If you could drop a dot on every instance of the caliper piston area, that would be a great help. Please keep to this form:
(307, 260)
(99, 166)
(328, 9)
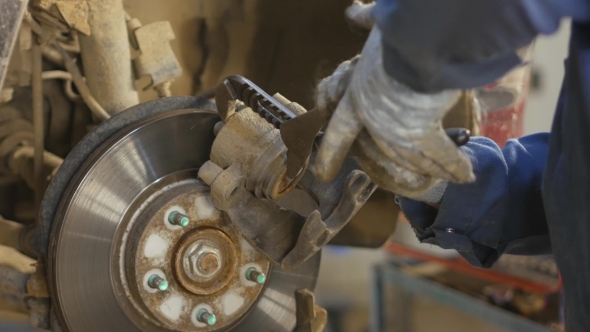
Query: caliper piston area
(249, 179)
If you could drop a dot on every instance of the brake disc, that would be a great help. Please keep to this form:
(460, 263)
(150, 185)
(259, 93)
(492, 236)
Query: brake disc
(136, 244)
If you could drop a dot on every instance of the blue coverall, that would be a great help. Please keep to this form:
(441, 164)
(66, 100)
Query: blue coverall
(532, 196)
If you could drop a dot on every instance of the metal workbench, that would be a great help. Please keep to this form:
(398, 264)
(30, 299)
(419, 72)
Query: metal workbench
(409, 286)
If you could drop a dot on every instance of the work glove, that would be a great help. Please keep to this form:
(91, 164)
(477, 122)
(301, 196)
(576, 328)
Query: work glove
(395, 132)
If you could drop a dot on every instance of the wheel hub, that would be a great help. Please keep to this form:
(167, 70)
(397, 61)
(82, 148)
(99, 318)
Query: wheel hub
(203, 261)
(120, 259)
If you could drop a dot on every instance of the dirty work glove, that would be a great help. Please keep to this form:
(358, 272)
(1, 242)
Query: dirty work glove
(434, 195)
(397, 131)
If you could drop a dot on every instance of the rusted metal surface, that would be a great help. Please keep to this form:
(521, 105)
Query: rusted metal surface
(250, 159)
(157, 59)
(217, 270)
(248, 140)
(37, 283)
(72, 12)
(310, 316)
(226, 293)
(209, 263)
(106, 56)
(75, 13)
(11, 15)
(38, 298)
(298, 139)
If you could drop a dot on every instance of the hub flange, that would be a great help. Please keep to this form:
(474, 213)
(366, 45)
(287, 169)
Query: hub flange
(203, 262)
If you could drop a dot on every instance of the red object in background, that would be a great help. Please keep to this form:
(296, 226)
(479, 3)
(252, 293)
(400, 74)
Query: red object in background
(502, 106)
(462, 266)
(504, 124)
(502, 103)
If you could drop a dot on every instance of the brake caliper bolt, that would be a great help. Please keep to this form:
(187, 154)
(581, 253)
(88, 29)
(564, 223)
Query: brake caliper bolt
(206, 317)
(177, 218)
(157, 282)
(254, 275)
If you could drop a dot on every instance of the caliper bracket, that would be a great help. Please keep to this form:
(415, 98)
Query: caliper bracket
(287, 238)
(260, 155)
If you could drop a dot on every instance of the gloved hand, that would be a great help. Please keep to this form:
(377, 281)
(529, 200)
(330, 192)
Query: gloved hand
(396, 133)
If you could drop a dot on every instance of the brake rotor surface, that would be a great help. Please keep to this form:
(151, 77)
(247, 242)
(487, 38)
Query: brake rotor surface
(115, 231)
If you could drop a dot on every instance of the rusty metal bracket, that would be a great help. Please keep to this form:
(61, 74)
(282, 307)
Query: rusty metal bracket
(75, 13)
(38, 298)
(310, 316)
(260, 155)
(297, 132)
(248, 174)
(157, 59)
(285, 237)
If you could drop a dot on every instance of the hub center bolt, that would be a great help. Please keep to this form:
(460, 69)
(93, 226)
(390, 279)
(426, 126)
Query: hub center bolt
(206, 317)
(254, 275)
(157, 282)
(177, 218)
(202, 260)
(208, 263)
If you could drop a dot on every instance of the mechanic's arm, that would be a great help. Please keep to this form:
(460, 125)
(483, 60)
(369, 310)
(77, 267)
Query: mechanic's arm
(391, 100)
(433, 45)
(501, 212)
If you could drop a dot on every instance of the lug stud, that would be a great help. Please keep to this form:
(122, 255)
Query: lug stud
(206, 317)
(157, 282)
(256, 276)
(177, 218)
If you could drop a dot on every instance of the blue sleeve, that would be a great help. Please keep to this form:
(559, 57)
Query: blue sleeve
(432, 45)
(501, 212)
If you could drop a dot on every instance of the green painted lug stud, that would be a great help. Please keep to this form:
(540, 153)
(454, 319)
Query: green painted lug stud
(256, 276)
(206, 317)
(177, 218)
(157, 282)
